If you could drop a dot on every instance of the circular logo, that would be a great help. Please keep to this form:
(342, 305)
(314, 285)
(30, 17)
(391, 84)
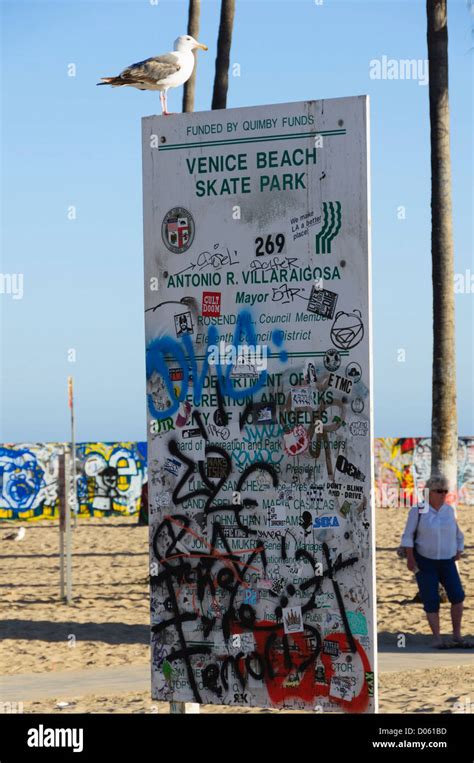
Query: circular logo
(332, 360)
(354, 372)
(347, 330)
(357, 405)
(177, 230)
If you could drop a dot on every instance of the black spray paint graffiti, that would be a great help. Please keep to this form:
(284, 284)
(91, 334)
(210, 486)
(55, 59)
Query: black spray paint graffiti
(206, 602)
(221, 567)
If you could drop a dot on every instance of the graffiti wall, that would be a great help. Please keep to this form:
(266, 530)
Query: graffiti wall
(259, 411)
(402, 466)
(109, 479)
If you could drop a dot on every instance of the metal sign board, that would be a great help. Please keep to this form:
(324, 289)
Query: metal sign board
(258, 356)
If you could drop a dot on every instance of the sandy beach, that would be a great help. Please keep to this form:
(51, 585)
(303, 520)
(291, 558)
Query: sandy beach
(107, 626)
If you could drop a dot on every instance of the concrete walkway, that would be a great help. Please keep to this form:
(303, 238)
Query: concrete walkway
(395, 661)
(67, 684)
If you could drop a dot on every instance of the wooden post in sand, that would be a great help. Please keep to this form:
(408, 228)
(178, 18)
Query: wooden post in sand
(65, 561)
(70, 387)
(62, 517)
(68, 534)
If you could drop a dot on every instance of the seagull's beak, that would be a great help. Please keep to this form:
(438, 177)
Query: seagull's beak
(201, 46)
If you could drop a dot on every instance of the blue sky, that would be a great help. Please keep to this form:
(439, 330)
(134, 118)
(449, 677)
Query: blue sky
(68, 143)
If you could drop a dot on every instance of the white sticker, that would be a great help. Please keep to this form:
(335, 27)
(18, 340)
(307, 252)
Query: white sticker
(293, 620)
(277, 515)
(342, 688)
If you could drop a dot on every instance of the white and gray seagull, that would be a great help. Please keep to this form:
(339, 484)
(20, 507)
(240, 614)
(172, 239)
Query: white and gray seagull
(161, 72)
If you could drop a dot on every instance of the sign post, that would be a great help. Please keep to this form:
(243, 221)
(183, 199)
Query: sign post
(70, 387)
(65, 550)
(258, 357)
(62, 518)
(68, 532)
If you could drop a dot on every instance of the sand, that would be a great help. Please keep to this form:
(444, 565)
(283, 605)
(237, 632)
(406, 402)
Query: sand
(107, 625)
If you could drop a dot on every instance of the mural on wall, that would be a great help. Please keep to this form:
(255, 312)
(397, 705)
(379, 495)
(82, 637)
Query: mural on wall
(402, 466)
(109, 479)
(29, 480)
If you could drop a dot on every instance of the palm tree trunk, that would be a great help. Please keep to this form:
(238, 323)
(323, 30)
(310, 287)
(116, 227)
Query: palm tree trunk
(221, 79)
(444, 414)
(194, 13)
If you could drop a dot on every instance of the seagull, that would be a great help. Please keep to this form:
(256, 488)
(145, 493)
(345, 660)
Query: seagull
(19, 535)
(161, 72)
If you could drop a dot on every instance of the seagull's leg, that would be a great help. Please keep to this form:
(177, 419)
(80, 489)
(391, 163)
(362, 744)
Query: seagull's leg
(166, 112)
(163, 108)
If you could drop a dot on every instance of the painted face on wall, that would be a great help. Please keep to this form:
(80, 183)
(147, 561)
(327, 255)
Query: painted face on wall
(110, 477)
(21, 478)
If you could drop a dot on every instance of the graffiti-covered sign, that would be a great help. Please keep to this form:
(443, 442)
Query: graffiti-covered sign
(259, 413)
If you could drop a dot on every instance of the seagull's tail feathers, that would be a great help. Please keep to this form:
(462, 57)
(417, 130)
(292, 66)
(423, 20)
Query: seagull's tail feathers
(114, 81)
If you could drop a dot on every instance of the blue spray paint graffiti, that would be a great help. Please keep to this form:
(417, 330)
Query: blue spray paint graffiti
(183, 353)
